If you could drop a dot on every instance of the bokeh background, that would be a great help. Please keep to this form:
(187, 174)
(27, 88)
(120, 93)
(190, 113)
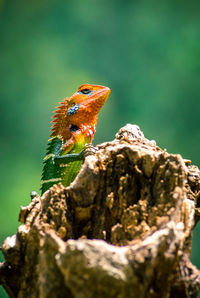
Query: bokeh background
(147, 52)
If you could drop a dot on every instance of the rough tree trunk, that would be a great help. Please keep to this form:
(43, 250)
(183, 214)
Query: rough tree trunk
(122, 229)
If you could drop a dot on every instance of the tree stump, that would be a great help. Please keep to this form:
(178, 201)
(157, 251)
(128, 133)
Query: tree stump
(122, 229)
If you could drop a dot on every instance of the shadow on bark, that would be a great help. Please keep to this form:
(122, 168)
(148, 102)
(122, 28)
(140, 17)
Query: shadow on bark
(122, 229)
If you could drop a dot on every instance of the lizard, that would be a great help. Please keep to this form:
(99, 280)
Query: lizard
(74, 126)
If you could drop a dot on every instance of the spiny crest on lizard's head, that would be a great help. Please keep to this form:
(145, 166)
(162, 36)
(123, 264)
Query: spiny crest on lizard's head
(79, 112)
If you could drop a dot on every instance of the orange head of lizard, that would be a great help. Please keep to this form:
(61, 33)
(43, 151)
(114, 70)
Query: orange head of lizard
(79, 112)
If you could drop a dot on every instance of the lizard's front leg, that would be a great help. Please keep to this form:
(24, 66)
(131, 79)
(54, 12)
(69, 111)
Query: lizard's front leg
(89, 149)
(69, 157)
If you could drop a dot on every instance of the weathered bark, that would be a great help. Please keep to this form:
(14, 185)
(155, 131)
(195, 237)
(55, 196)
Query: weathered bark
(122, 229)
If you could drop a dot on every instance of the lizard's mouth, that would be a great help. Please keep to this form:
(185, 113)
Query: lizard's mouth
(95, 102)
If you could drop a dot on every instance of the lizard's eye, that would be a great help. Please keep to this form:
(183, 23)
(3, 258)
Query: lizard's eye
(85, 91)
(73, 128)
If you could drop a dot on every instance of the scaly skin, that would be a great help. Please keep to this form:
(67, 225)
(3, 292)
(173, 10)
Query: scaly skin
(74, 127)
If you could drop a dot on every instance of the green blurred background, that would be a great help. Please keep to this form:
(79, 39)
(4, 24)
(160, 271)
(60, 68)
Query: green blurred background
(147, 52)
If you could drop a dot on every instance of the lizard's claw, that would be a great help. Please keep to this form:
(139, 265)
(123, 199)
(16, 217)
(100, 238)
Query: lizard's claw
(33, 194)
(89, 149)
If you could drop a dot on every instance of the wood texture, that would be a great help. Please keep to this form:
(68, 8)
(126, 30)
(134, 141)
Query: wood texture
(122, 229)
